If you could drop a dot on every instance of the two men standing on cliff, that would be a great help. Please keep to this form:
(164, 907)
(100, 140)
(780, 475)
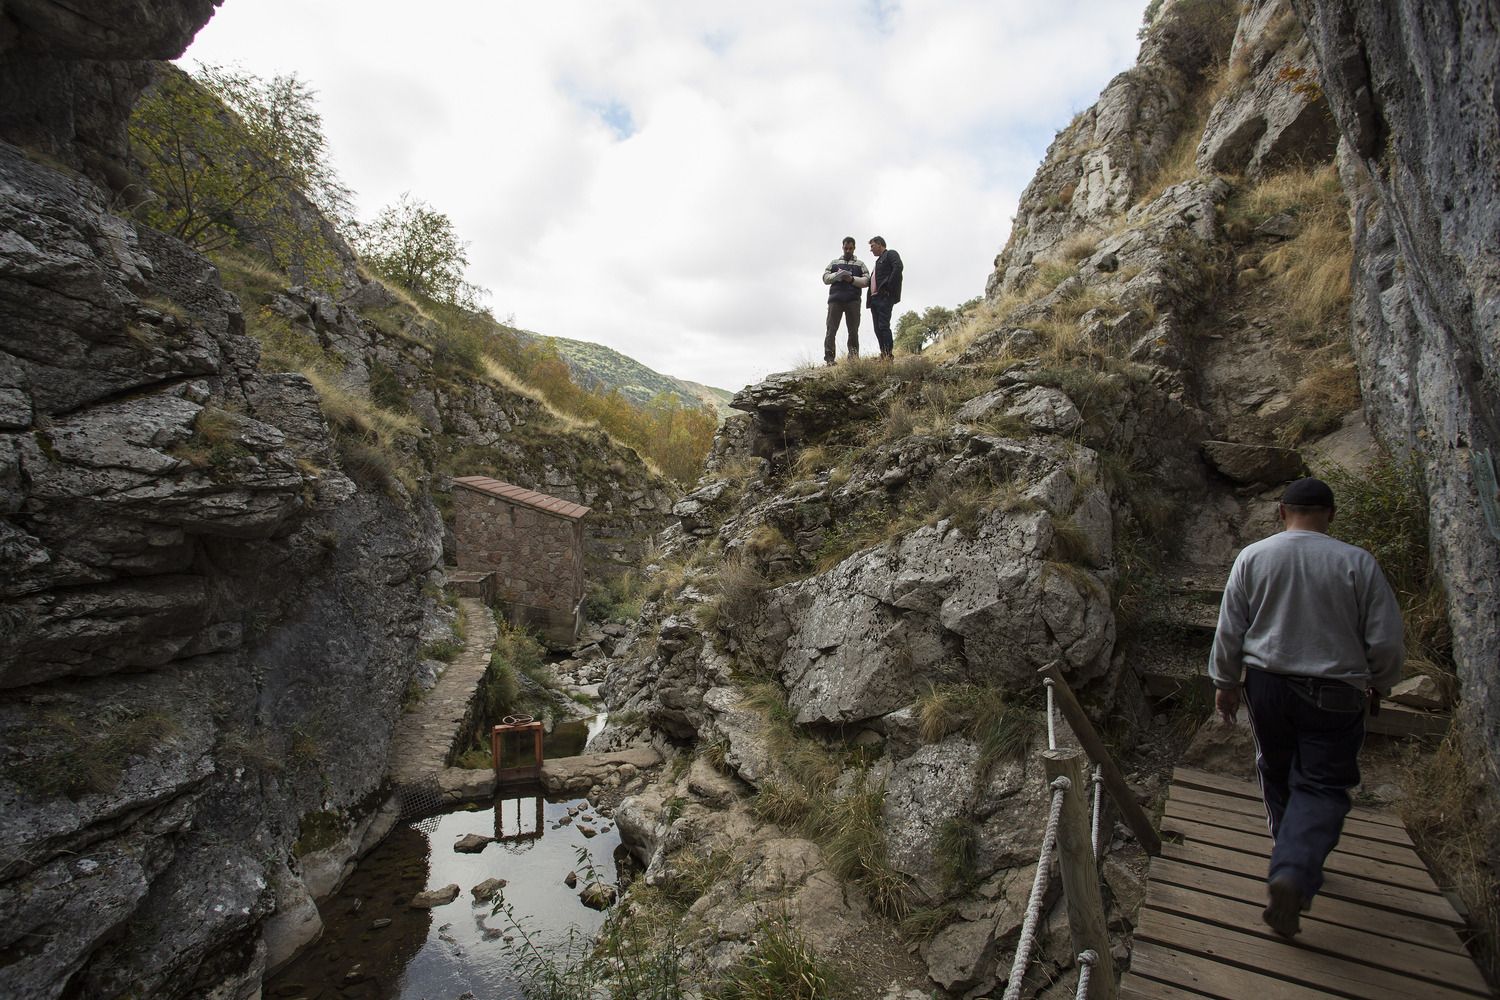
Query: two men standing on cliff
(844, 276)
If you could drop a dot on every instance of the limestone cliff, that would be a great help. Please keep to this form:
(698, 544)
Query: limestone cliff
(1415, 90)
(216, 576)
(848, 617)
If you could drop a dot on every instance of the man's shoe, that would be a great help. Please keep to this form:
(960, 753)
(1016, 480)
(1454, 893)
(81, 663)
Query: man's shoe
(1283, 913)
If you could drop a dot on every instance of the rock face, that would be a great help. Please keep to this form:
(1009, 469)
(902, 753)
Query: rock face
(69, 77)
(176, 652)
(211, 606)
(1413, 90)
(832, 553)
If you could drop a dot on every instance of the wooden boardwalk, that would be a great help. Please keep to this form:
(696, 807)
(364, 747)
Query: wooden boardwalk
(1380, 930)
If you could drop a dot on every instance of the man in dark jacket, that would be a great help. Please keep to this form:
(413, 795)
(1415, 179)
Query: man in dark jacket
(841, 277)
(885, 291)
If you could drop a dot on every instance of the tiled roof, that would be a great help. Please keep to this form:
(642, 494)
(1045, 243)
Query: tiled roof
(526, 498)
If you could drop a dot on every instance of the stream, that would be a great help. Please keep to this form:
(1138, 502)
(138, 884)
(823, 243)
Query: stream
(376, 946)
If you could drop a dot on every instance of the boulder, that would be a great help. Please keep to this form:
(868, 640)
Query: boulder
(864, 638)
(487, 890)
(1254, 464)
(1274, 114)
(472, 843)
(435, 897)
(598, 895)
(744, 732)
(925, 791)
(1419, 692)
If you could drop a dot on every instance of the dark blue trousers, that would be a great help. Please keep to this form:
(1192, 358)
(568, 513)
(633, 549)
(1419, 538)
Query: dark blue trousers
(880, 312)
(1308, 758)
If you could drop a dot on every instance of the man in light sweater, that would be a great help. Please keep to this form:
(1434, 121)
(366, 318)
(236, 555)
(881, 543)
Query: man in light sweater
(842, 276)
(1309, 630)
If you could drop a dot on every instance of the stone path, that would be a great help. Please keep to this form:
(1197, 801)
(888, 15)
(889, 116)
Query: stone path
(425, 734)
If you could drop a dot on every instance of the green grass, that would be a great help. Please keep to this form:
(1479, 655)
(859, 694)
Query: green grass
(780, 966)
(958, 850)
(1383, 509)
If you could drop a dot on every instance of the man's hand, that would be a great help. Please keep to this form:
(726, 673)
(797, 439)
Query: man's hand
(1227, 702)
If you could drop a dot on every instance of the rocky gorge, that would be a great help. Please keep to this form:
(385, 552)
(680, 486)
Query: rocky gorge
(218, 587)
(209, 589)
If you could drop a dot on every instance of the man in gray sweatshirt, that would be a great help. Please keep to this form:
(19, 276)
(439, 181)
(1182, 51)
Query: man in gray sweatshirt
(1309, 628)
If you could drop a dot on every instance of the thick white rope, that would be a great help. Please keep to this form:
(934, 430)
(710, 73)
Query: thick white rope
(1027, 940)
(1086, 962)
(1051, 723)
(1098, 782)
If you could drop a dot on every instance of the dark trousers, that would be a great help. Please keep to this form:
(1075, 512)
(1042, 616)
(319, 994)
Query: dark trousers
(880, 314)
(1308, 758)
(849, 312)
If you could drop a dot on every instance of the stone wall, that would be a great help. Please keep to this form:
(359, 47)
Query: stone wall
(537, 558)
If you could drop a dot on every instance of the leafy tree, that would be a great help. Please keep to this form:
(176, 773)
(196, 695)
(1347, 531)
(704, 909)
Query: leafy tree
(226, 155)
(416, 246)
(913, 329)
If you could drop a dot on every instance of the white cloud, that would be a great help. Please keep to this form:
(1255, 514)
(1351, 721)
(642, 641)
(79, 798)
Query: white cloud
(760, 135)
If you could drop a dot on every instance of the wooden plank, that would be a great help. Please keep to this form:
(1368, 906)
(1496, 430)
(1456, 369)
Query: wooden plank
(1140, 988)
(1080, 870)
(1258, 845)
(1252, 890)
(1403, 957)
(1193, 778)
(1349, 843)
(1403, 720)
(1285, 960)
(1336, 885)
(1215, 979)
(1257, 810)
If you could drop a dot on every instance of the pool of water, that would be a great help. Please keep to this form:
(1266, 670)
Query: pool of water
(568, 739)
(376, 946)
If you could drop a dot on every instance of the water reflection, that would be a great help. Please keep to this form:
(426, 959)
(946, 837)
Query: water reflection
(375, 946)
(520, 814)
(568, 739)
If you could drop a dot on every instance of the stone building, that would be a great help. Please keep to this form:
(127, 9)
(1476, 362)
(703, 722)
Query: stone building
(531, 546)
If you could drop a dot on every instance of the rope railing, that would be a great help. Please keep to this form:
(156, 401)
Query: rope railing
(1086, 960)
(1095, 837)
(1027, 940)
(1074, 829)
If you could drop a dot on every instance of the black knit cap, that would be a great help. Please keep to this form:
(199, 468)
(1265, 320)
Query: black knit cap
(1308, 493)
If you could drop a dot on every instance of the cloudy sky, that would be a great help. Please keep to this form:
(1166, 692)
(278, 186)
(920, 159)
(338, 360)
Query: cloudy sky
(670, 178)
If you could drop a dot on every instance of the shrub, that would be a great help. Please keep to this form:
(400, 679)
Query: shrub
(1384, 510)
(1451, 815)
(780, 966)
(224, 153)
(958, 850)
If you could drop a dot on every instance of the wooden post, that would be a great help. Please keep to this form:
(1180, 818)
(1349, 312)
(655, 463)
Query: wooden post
(1114, 782)
(1080, 873)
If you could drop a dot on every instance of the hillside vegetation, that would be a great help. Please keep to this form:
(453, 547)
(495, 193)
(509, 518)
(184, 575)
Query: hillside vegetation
(236, 166)
(595, 366)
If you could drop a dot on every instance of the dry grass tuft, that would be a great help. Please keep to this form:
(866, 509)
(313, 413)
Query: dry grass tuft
(1312, 271)
(358, 413)
(397, 292)
(1321, 397)
(1451, 816)
(1077, 247)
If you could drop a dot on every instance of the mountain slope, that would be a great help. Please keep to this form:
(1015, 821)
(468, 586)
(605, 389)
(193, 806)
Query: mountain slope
(595, 365)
